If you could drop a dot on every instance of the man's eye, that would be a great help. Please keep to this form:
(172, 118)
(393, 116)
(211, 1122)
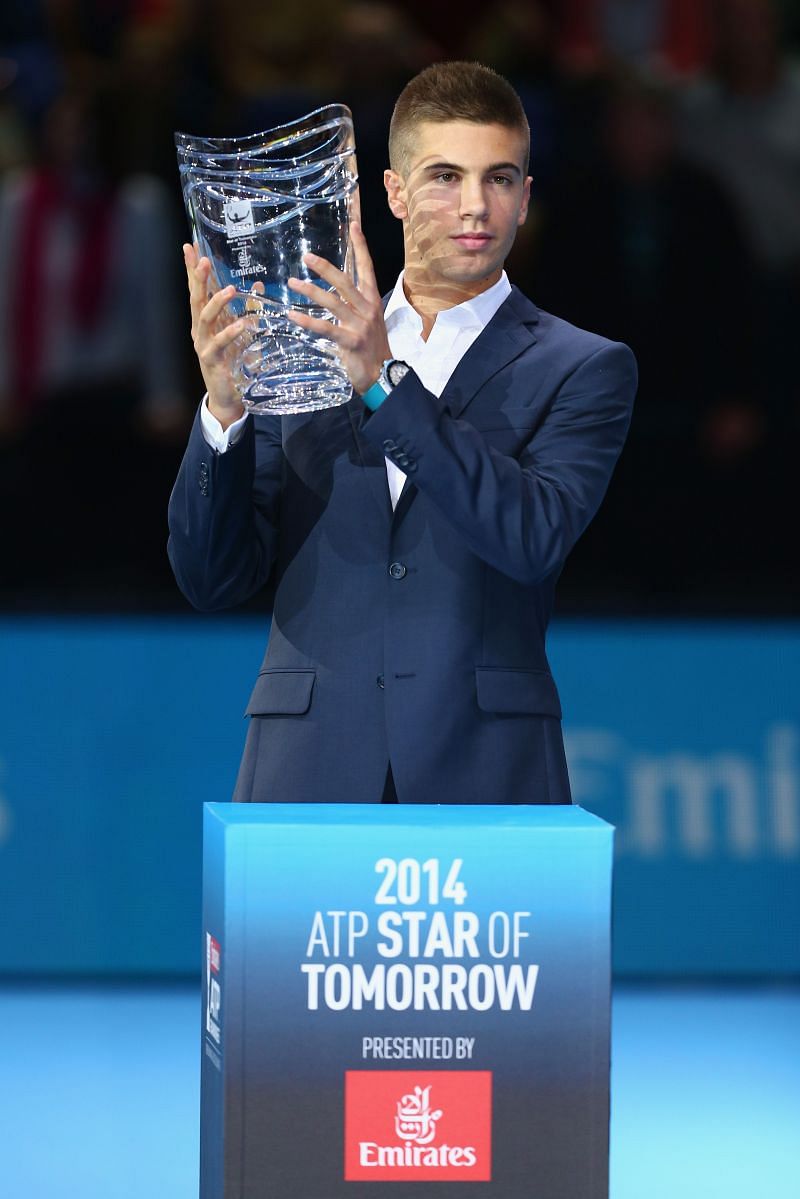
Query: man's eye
(445, 177)
(503, 180)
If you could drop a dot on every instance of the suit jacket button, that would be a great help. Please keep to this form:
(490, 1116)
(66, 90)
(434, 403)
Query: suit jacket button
(379, 681)
(410, 467)
(389, 446)
(397, 570)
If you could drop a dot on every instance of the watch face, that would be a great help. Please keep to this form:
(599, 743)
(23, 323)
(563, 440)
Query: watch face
(397, 370)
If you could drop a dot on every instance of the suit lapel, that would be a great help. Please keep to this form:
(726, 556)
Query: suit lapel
(508, 334)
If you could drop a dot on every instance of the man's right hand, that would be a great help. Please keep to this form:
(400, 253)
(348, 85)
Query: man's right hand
(214, 333)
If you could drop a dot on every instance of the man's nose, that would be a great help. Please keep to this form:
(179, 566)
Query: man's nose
(473, 199)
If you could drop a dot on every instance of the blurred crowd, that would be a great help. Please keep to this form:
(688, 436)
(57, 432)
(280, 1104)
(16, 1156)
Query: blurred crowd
(666, 165)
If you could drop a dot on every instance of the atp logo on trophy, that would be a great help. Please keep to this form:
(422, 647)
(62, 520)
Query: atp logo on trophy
(440, 1129)
(239, 220)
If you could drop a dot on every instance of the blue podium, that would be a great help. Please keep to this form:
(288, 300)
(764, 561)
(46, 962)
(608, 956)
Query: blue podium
(405, 995)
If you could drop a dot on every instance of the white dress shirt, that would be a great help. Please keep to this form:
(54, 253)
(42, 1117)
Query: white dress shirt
(434, 360)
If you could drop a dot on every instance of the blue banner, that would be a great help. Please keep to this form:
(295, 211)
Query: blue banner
(687, 739)
(114, 732)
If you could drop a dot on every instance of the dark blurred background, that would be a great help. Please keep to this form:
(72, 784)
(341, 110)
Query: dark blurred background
(666, 164)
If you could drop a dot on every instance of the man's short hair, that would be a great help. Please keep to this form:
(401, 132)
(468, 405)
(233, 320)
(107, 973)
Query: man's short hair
(453, 91)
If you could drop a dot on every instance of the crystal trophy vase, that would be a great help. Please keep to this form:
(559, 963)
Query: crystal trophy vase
(256, 205)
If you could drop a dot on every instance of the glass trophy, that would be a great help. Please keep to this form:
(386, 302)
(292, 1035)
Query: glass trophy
(256, 205)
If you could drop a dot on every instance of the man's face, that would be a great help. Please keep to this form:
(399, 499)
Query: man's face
(461, 201)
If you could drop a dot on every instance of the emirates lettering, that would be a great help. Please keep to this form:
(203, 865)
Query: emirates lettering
(402, 1156)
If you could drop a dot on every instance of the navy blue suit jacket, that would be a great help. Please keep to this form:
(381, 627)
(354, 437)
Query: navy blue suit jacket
(415, 637)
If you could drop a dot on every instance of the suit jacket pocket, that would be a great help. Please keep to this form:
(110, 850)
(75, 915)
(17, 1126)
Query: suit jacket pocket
(521, 691)
(282, 693)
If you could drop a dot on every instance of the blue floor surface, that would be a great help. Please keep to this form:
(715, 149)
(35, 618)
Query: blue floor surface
(100, 1093)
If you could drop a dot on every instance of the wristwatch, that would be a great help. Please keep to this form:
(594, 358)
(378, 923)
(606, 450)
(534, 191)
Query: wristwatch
(392, 371)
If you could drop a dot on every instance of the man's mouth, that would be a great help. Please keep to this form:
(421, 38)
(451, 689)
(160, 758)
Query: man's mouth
(472, 241)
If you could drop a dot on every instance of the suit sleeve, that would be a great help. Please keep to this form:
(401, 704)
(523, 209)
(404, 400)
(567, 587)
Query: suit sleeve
(522, 515)
(223, 515)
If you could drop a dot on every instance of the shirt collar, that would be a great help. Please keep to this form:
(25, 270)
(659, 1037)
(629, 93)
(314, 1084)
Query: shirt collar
(474, 313)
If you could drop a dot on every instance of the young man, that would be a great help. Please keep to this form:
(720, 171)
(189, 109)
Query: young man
(412, 537)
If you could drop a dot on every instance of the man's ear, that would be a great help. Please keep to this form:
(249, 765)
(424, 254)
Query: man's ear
(395, 193)
(526, 199)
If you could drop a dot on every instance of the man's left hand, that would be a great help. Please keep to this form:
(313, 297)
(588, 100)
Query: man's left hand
(359, 331)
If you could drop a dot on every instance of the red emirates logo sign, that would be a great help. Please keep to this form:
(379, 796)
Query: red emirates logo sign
(418, 1125)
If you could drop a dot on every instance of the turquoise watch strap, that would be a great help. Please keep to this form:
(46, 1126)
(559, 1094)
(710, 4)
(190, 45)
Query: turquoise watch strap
(374, 397)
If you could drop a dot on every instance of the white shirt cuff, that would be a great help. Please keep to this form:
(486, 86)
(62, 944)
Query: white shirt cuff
(218, 438)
